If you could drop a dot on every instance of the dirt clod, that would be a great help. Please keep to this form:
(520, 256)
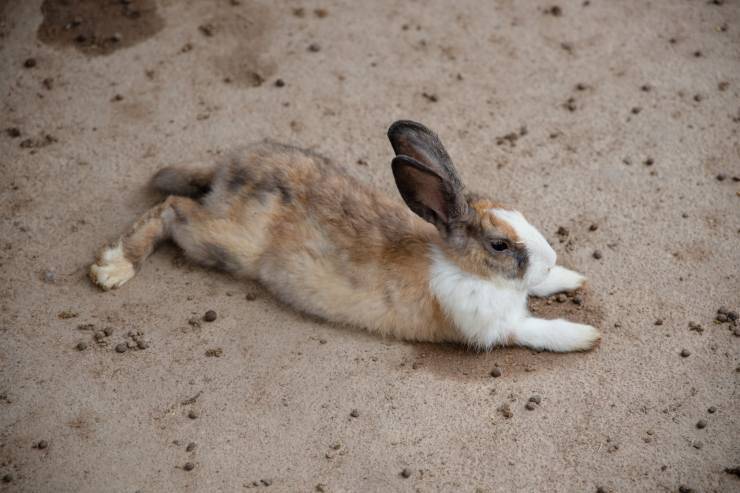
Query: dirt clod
(554, 11)
(354, 413)
(210, 316)
(8, 478)
(193, 414)
(29, 63)
(81, 346)
(536, 399)
(189, 466)
(505, 410)
(121, 347)
(685, 353)
(42, 444)
(13, 132)
(597, 254)
(496, 372)
(279, 83)
(191, 446)
(712, 410)
(214, 352)
(701, 424)
(529, 406)
(314, 47)
(406, 472)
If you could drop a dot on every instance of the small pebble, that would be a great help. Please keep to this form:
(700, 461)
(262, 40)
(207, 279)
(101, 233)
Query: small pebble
(108, 331)
(8, 478)
(712, 410)
(722, 317)
(597, 254)
(141, 344)
(697, 445)
(210, 316)
(496, 372)
(530, 406)
(577, 300)
(736, 332)
(722, 309)
(593, 227)
(81, 346)
(721, 177)
(191, 446)
(701, 424)
(251, 296)
(193, 414)
(314, 47)
(279, 83)
(42, 444)
(355, 413)
(505, 411)
(122, 347)
(685, 353)
(29, 63)
(561, 298)
(649, 161)
(732, 315)
(13, 132)
(659, 322)
(536, 399)
(189, 466)
(406, 473)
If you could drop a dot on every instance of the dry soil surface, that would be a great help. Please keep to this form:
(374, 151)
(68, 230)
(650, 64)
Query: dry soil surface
(619, 114)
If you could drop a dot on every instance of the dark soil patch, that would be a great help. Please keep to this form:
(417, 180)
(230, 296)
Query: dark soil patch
(98, 28)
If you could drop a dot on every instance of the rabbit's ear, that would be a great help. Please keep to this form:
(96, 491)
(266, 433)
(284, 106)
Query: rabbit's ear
(416, 141)
(433, 197)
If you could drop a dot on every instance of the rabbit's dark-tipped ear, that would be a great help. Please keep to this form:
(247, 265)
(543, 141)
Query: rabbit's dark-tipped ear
(416, 141)
(431, 196)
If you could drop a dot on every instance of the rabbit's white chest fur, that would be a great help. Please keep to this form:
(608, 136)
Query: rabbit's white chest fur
(485, 312)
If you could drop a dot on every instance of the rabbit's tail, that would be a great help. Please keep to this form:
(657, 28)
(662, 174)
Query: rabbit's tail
(184, 180)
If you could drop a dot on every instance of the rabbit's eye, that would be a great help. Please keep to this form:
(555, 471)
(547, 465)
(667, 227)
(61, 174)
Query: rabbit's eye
(499, 245)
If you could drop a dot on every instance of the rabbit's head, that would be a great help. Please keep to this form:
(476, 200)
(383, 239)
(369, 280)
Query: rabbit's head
(481, 236)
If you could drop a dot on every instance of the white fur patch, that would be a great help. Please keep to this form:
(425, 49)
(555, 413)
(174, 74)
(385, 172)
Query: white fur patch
(485, 312)
(113, 269)
(541, 255)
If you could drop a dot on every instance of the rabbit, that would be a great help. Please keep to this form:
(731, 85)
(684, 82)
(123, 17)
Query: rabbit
(451, 266)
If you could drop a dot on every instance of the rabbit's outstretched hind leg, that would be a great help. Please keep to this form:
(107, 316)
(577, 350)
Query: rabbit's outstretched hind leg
(173, 218)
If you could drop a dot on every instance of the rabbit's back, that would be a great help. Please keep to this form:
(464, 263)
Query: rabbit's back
(324, 241)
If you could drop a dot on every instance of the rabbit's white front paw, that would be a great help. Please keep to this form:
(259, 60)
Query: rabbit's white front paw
(558, 280)
(112, 269)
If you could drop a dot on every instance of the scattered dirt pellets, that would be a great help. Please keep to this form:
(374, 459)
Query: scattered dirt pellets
(214, 353)
(121, 347)
(496, 372)
(597, 254)
(189, 466)
(354, 413)
(406, 472)
(685, 353)
(530, 406)
(701, 424)
(210, 316)
(659, 321)
(29, 63)
(279, 83)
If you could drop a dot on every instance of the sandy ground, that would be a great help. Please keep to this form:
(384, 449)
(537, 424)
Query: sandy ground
(122, 91)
